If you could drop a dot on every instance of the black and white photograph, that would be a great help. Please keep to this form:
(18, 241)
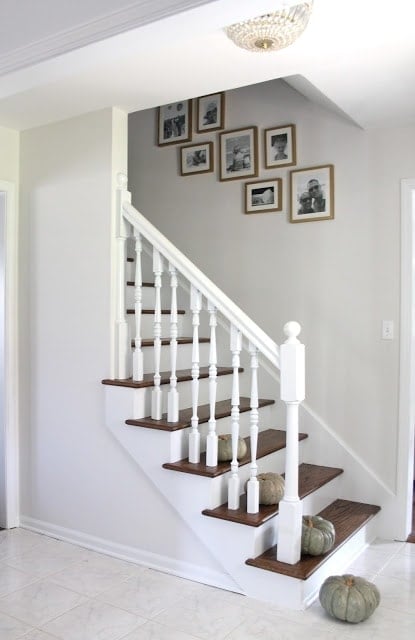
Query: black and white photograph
(238, 154)
(196, 158)
(210, 112)
(262, 196)
(280, 146)
(312, 194)
(175, 123)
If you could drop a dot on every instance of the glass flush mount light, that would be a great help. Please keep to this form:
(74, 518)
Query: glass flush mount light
(272, 31)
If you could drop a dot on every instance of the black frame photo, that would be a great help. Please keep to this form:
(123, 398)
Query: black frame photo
(280, 146)
(238, 154)
(312, 194)
(210, 112)
(263, 195)
(174, 123)
(196, 158)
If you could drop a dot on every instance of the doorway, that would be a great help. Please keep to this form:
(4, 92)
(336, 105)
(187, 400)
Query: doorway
(9, 475)
(406, 436)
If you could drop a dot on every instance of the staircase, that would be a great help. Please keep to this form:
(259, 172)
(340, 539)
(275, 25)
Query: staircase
(177, 386)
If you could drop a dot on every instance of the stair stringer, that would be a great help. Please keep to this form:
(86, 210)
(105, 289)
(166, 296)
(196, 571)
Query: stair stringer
(230, 543)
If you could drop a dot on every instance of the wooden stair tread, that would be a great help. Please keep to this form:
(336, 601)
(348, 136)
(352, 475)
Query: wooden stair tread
(183, 375)
(269, 441)
(310, 478)
(222, 410)
(347, 517)
(131, 312)
(149, 342)
(131, 283)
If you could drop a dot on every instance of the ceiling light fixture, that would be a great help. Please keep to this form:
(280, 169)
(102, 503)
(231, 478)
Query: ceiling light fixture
(272, 31)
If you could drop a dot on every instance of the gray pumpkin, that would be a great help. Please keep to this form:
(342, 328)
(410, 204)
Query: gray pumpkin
(271, 488)
(349, 597)
(225, 448)
(317, 535)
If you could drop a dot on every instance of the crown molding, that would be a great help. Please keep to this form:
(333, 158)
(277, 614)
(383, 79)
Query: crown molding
(134, 16)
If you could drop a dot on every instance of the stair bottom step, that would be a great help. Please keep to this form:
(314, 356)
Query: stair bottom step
(347, 517)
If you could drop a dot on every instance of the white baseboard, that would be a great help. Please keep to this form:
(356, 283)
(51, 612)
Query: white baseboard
(144, 558)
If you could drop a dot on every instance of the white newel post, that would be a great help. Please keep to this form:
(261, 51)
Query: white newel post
(122, 359)
(234, 482)
(212, 437)
(194, 435)
(138, 367)
(253, 484)
(292, 393)
(173, 395)
(156, 396)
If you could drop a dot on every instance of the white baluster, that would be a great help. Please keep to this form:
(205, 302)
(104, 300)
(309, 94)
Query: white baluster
(138, 368)
(212, 438)
(292, 393)
(173, 396)
(194, 436)
(253, 484)
(234, 483)
(122, 357)
(156, 396)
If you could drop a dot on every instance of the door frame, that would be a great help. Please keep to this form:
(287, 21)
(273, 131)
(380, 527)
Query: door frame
(405, 463)
(10, 426)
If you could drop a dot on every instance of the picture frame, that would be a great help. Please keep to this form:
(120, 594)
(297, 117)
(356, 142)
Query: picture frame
(174, 123)
(312, 194)
(263, 195)
(280, 146)
(238, 154)
(196, 158)
(210, 112)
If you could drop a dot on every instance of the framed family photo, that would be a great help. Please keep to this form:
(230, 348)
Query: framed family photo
(280, 146)
(263, 196)
(174, 122)
(210, 114)
(312, 194)
(196, 158)
(238, 154)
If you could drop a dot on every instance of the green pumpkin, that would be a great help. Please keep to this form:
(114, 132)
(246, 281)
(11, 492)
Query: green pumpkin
(225, 448)
(317, 535)
(271, 488)
(349, 598)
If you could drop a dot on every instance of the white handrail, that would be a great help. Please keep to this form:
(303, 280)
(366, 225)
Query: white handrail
(249, 329)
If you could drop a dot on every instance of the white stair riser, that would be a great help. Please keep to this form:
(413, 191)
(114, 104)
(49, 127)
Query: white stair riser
(147, 297)
(180, 439)
(184, 357)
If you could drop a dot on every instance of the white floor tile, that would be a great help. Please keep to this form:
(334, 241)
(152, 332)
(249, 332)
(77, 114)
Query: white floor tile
(40, 602)
(93, 621)
(147, 594)
(91, 577)
(12, 579)
(17, 541)
(38, 635)
(10, 628)
(401, 567)
(46, 559)
(209, 624)
(154, 631)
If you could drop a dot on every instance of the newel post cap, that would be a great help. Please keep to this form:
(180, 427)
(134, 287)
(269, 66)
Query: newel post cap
(292, 329)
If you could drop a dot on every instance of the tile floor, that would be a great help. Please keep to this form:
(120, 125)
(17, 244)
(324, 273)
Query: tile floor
(50, 590)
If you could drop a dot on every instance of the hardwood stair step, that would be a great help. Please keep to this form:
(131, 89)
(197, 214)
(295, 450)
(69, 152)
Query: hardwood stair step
(310, 478)
(269, 441)
(131, 283)
(222, 410)
(149, 342)
(183, 375)
(131, 312)
(347, 517)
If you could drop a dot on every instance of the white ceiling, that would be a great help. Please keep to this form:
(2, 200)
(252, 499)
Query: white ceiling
(60, 59)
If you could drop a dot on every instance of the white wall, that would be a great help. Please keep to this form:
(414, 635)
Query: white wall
(74, 474)
(338, 278)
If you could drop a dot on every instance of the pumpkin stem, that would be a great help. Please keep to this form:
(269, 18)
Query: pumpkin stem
(310, 523)
(350, 582)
